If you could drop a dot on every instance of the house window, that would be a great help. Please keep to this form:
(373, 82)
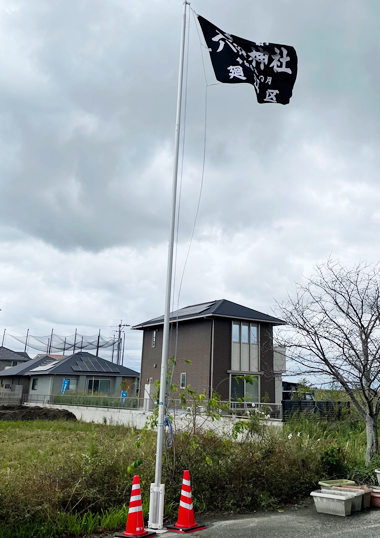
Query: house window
(244, 333)
(245, 347)
(253, 334)
(34, 384)
(183, 381)
(72, 384)
(244, 388)
(14, 363)
(236, 332)
(99, 386)
(154, 338)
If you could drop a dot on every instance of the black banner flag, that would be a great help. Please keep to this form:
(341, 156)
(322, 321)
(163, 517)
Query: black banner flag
(270, 68)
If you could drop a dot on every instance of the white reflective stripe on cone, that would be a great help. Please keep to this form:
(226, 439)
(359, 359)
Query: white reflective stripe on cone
(135, 498)
(135, 486)
(135, 509)
(186, 482)
(184, 505)
(186, 493)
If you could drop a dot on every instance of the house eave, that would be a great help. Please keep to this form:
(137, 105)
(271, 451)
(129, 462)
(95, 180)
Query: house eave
(212, 315)
(244, 373)
(88, 372)
(159, 323)
(256, 320)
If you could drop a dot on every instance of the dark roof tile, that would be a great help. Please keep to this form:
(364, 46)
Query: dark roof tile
(85, 363)
(219, 308)
(9, 355)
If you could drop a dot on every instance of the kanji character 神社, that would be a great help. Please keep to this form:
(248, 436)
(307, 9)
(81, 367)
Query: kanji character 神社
(269, 67)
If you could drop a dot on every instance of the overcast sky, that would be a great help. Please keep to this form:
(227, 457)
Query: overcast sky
(87, 103)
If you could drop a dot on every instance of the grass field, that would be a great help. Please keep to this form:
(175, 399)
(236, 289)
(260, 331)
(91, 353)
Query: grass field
(65, 479)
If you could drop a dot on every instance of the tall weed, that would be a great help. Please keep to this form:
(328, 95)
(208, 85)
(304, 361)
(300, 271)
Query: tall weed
(67, 479)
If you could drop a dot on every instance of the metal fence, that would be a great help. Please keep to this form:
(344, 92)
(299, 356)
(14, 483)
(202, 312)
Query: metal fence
(242, 409)
(85, 400)
(324, 409)
(284, 411)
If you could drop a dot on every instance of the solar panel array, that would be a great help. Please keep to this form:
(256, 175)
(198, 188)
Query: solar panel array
(186, 311)
(195, 309)
(45, 366)
(92, 364)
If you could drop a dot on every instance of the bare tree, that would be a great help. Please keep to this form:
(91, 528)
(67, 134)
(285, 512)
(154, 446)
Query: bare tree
(334, 333)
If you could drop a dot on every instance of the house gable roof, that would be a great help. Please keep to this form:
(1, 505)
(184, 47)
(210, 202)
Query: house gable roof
(24, 367)
(220, 308)
(9, 355)
(83, 363)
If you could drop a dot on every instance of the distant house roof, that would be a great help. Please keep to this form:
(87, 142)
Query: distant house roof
(9, 355)
(82, 363)
(24, 367)
(220, 308)
(57, 357)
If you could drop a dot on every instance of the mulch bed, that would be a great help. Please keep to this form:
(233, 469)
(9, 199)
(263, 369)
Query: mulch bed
(21, 412)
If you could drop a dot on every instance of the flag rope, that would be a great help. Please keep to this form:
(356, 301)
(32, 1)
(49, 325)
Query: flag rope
(181, 177)
(186, 79)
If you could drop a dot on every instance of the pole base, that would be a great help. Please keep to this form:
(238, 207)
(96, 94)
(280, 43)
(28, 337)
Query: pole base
(139, 535)
(172, 528)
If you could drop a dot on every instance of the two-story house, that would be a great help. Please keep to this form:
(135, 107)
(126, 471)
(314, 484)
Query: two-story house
(216, 344)
(9, 358)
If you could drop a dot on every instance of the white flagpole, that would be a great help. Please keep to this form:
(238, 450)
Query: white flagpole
(157, 491)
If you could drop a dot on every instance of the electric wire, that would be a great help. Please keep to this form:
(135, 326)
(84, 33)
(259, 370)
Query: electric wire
(203, 165)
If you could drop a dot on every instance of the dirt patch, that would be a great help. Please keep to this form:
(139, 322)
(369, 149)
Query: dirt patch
(21, 412)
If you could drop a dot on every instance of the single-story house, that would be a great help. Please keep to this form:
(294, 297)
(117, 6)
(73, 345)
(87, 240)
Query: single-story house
(216, 345)
(16, 379)
(84, 373)
(9, 358)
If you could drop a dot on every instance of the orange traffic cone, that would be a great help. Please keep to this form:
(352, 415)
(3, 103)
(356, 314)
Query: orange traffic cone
(186, 522)
(135, 521)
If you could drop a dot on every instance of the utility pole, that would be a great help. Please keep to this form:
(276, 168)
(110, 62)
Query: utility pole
(75, 341)
(122, 355)
(51, 340)
(97, 346)
(120, 330)
(3, 337)
(26, 340)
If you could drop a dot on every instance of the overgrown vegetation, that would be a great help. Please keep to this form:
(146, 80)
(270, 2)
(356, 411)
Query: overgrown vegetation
(62, 479)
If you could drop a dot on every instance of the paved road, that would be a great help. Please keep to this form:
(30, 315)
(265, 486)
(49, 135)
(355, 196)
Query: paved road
(299, 522)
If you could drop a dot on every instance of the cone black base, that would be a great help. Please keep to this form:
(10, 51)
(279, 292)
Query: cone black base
(137, 536)
(185, 531)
